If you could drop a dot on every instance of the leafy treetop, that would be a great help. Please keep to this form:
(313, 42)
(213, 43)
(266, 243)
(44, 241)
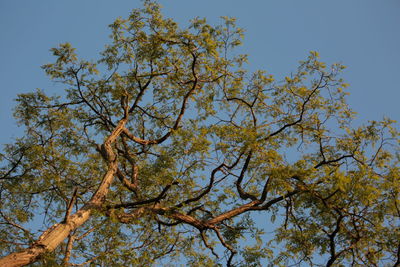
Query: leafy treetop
(212, 164)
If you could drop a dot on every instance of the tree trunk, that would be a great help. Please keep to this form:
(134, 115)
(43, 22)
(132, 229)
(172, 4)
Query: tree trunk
(56, 234)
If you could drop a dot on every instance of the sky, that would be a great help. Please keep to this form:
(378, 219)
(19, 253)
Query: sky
(364, 35)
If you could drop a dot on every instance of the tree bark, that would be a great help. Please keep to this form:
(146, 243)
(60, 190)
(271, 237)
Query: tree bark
(56, 234)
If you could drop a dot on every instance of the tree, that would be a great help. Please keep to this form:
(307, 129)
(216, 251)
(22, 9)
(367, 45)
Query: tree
(166, 149)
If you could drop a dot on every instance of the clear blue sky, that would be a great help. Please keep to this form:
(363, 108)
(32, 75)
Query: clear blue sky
(361, 34)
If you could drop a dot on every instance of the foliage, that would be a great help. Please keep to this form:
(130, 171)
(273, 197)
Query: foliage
(214, 165)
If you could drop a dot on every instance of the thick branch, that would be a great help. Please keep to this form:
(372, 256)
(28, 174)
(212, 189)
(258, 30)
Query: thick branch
(332, 245)
(243, 194)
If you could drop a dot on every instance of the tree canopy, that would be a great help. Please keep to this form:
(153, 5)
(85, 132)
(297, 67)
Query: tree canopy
(167, 149)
